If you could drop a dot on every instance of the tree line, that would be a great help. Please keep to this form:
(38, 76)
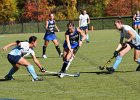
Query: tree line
(38, 10)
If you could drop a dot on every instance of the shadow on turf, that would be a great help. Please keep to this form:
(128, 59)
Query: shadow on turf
(1, 80)
(47, 74)
(106, 72)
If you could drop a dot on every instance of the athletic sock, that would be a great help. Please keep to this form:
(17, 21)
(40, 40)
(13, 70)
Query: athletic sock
(44, 50)
(63, 69)
(87, 37)
(31, 70)
(138, 31)
(11, 72)
(117, 62)
(58, 49)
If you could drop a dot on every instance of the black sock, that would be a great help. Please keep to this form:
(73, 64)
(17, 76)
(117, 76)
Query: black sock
(63, 69)
(44, 50)
(58, 49)
(138, 31)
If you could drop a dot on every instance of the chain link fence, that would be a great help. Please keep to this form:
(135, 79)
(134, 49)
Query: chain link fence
(39, 27)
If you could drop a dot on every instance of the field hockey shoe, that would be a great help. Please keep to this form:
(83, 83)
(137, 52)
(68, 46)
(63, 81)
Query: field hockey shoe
(110, 70)
(138, 68)
(61, 75)
(37, 79)
(87, 41)
(44, 56)
(8, 78)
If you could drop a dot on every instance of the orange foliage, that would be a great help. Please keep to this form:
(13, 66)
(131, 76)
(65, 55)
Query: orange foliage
(122, 7)
(36, 10)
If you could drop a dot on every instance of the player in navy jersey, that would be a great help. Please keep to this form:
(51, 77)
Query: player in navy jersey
(17, 54)
(71, 43)
(136, 21)
(50, 35)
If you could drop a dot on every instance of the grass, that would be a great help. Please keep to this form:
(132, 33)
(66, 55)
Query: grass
(93, 84)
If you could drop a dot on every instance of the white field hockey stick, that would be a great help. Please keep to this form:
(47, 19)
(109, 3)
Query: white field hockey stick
(74, 52)
(65, 74)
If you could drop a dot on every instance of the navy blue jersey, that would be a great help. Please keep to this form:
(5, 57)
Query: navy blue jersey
(137, 18)
(51, 25)
(73, 37)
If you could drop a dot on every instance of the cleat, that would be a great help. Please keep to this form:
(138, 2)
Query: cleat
(61, 75)
(110, 70)
(61, 55)
(138, 68)
(87, 41)
(37, 79)
(44, 56)
(8, 78)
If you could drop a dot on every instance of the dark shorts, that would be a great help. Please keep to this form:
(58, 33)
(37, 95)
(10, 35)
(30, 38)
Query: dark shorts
(134, 46)
(13, 59)
(50, 36)
(84, 27)
(136, 23)
(73, 45)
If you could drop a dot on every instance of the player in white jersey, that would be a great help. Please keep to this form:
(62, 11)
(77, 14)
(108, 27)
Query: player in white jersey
(16, 58)
(132, 41)
(84, 20)
(136, 21)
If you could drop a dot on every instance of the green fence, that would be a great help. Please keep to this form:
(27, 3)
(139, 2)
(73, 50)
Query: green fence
(38, 27)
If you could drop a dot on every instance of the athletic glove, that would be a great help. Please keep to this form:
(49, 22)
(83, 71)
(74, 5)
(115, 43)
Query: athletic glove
(42, 70)
(116, 53)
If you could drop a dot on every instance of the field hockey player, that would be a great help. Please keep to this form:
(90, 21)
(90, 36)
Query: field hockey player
(132, 41)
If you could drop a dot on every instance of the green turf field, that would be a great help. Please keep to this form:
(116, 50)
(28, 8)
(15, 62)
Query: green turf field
(93, 84)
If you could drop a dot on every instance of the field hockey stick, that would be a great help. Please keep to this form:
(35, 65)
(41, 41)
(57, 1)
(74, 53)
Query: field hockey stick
(74, 52)
(72, 75)
(65, 74)
(105, 65)
(109, 61)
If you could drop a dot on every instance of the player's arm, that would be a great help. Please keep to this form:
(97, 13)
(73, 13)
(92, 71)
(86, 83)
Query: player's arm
(56, 27)
(38, 63)
(79, 20)
(88, 20)
(134, 17)
(68, 41)
(132, 36)
(120, 44)
(83, 36)
(116, 52)
(9, 45)
(46, 25)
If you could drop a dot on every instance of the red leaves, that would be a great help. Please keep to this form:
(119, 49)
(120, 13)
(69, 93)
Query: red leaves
(36, 10)
(122, 7)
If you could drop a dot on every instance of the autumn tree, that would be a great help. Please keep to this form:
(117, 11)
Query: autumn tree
(8, 10)
(95, 8)
(122, 7)
(72, 12)
(37, 10)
